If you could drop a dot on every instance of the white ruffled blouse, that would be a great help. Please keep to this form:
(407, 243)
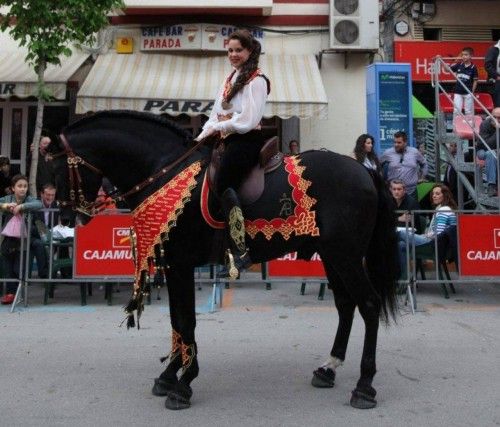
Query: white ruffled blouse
(247, 109)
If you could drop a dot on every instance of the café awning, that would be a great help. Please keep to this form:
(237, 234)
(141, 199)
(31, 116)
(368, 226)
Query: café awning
(18, 79)
(187, 84)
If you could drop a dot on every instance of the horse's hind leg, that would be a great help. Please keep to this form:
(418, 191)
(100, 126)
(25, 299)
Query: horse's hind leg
(369, 306)
(183, 317)
(324, 376)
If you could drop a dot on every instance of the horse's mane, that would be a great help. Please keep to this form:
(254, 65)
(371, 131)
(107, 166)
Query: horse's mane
(129, 114)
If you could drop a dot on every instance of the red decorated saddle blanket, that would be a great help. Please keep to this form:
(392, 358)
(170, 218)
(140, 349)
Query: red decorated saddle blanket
(299, 218)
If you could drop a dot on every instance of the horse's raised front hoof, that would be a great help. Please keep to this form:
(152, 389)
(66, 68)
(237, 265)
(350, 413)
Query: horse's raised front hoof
(363, 399)
(179, 397)
(323, 378)
(161, 387)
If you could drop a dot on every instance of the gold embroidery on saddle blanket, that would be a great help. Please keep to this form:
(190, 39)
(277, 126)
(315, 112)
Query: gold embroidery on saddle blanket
(302, 221)
(158, 214)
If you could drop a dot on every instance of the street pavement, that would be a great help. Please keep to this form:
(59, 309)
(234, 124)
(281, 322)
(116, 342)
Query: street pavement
(67, 365)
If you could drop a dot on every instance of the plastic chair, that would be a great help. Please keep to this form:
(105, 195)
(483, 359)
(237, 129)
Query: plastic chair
(445, 105)
(447, 250)
(486, 99)
(462, 126)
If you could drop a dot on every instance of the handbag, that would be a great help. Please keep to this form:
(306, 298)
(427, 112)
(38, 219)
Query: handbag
(15, 227)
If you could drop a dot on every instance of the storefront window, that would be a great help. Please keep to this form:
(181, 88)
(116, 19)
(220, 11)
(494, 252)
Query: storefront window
(16, 134)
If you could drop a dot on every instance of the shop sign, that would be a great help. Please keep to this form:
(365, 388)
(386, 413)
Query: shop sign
(175, 107)
(289, 266)
(102, 247)
(189, 37)
(420, 55)
(7, 88)
(479, 243)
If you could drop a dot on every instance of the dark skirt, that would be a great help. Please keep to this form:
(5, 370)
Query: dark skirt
(241, 154)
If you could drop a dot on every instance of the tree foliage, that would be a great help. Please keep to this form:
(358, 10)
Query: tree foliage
(48, 29)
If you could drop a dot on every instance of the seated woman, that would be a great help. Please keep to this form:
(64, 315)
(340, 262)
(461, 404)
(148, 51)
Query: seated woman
(443, 218)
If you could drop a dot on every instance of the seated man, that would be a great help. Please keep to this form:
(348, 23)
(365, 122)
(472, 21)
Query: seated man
(405, 202)
(44, 221)
(488, 132)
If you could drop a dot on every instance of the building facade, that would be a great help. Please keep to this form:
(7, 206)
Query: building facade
(167, 57)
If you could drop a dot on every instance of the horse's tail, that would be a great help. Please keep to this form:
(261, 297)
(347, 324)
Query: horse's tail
(382, 257)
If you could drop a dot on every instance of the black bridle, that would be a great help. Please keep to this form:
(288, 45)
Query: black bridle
(77, 199)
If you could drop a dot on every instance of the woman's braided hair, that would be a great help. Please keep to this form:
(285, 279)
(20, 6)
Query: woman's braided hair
(248, 68)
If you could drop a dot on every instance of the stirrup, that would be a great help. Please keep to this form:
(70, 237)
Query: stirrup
(234, 265)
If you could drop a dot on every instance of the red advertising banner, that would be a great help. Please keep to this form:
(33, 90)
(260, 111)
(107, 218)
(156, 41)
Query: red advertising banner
(479, 243)
(102, 247)
(289, 266)
(420, 53)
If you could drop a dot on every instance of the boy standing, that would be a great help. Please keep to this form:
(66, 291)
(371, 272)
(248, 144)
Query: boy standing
(467, 74)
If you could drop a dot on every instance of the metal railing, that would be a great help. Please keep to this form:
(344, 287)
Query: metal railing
(476, 191)
(409, 281)
(202, 275)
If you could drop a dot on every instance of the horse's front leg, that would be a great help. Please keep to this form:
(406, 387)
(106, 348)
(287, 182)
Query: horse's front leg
(180, 280)
(168, 378)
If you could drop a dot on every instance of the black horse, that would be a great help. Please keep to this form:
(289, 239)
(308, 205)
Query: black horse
(353, 213)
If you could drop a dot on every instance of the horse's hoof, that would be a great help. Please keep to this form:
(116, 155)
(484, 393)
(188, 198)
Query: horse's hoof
(361, 400)
(175, 404)
(323, 378)
(162, 387)
(179, 397)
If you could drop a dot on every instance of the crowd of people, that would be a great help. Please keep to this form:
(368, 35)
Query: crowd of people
(235, 121)
(46, 219)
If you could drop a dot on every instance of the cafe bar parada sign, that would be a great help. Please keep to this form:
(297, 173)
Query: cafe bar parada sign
(190, 37)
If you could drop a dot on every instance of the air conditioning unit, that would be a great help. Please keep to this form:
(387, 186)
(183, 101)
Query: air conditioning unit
(354, 25)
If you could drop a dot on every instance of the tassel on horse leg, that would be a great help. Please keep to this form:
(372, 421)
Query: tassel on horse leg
(168, 378)
(180, 396)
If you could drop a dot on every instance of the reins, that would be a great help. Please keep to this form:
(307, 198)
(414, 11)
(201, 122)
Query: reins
(75, 180)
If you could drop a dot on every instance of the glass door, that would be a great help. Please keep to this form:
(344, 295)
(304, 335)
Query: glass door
(14, 131)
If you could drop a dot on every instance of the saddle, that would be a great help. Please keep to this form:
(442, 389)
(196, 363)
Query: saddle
(253, 185)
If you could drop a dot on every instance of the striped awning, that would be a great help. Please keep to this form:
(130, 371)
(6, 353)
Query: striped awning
(182, 84)
(18, 79)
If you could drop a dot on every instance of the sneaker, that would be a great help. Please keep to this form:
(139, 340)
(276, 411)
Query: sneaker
(492, 190)
(7, 299)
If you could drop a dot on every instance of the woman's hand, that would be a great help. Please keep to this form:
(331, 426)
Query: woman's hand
(17, 209)
(9, 206)
(205, 133)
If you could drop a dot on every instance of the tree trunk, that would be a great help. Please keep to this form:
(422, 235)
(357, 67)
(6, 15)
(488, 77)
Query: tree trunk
(38, 130)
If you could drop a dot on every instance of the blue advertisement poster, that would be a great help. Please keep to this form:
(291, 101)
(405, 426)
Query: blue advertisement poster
(394, 106)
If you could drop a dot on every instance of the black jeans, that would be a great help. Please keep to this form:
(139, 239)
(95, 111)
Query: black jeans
(10, 258)
(241, 154)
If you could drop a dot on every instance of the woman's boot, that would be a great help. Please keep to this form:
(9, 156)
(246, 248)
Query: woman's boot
(235, 226)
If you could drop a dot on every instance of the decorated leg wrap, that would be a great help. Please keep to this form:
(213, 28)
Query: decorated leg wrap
(188, 355)
(190, 367)
(176, 347)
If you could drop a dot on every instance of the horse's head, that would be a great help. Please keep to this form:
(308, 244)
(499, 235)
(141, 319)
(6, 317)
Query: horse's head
(138, 152)
(77, 182)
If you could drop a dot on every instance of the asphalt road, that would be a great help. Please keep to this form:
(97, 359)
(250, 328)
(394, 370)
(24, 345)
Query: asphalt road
(67, 365)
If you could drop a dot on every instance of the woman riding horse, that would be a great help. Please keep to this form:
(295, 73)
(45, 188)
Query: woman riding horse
(235, 121)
